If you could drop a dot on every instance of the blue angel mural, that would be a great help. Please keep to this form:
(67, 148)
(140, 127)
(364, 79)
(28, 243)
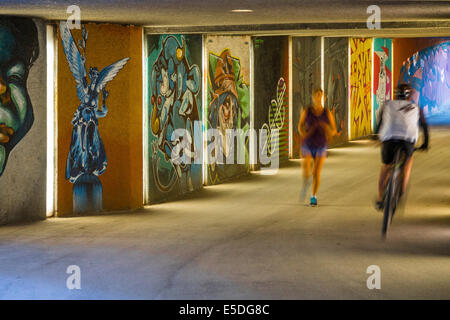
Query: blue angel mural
(87, 156)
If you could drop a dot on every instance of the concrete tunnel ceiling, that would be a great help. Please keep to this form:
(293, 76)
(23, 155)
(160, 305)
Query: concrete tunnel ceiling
(266, 15)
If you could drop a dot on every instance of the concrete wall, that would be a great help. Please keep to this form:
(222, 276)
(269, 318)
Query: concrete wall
(110, 178)
(306, 58)
(423, 62)
(23, 154)
(175, 60)
(360, 87)
(271, 96)
(116, 182)
(336, 85)
(382, 74)
(228, 97)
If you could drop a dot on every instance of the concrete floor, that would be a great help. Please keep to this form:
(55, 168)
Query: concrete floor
(250, 239)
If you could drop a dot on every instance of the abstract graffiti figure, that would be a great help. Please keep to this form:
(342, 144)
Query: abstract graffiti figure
(336, 91)
(428, 71)
(360, 84)
(87, 156)
(19, 48)
(382, 76)
(174, 87)
(306, 68)
(383, 92)
(276, 119)
(229, 98)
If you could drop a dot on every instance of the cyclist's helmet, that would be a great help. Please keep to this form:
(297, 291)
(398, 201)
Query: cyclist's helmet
(403, 91)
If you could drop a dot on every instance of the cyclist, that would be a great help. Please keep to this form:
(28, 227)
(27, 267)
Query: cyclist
(398, 127)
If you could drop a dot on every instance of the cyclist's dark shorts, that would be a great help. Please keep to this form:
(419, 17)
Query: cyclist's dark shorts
(390, 146)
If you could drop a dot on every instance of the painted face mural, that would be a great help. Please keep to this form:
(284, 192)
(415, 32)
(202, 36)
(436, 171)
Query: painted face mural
(87, 156)
(19, 48)
(174, 86)
(428, 71)
(224, 107)
(228, 109)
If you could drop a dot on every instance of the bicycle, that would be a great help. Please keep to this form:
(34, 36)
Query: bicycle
(393, 189)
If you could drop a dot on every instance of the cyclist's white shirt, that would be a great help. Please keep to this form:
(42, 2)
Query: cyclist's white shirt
(400, 120)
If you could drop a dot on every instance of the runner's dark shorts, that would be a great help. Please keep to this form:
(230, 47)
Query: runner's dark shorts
(390, 146)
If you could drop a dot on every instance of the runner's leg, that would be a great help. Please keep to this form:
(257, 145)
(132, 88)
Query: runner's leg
(306, 166)
(318, 165)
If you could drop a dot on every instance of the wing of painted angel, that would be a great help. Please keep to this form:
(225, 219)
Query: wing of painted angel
(108, 73)
(75, 59)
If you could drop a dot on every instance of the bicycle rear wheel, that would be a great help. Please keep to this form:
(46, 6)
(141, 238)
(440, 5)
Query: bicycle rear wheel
(388, 207)
(393, 192)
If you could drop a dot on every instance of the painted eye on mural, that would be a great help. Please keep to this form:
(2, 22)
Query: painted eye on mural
(14, 78)
(16, 73)
(153, 100)
(159, 100)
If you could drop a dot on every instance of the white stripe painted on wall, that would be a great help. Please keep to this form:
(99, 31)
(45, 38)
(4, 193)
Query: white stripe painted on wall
(145, 124)
(291, 130)
(51, 134)
(204, 110)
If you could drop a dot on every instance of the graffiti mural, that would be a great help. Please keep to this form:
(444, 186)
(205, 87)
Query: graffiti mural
(276, 121)
(174, 103)
(306, 74)
(271, 108)
(428, 71)
(19, 50)
(360, 87)
(336, 85)
(228, 107)
(87, 156)
(382, 74)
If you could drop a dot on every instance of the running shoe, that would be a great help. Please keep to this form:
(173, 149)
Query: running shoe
(313, 201)
(379, 205)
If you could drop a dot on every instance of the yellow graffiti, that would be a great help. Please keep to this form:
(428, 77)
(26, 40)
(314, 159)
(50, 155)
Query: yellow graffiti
(360, 84)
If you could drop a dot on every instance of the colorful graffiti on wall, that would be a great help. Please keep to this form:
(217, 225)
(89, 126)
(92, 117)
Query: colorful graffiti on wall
(174, 103)
(228, 108)
(336, 84)
(382, 74)
(19, 49)
(276, 120)
(271, 99)
(306, 58)
(87, 156)
(428, 71)
(360, 87)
